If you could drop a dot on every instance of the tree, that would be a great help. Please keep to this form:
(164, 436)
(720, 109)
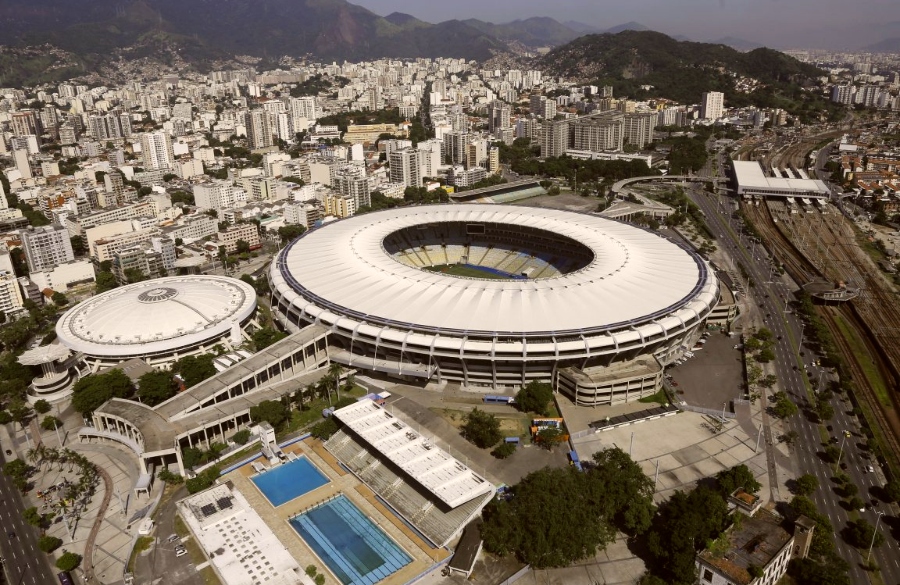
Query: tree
(48, 544)
(59, 299)
(50, 423)
(21, 413)
(243, 247)
(824, 410)
(504, 450)
(765, 355)
(105, 281)
(324, 429)
(169, 477)
(241, 437)
(156, 387)
(92, 391)
(892, 490)
(535, 397)
(288, 233)
(335, 370)
(42, 406)
(5, 417)
(263, 338)
(193, 369)
(133, 275)
(32, 516)
(738, 476)
(203, 480)
(271, 411)
(784, 408)
(191, 457)
(806, 484)
(68, 561)
(481, 429)
(859, 533)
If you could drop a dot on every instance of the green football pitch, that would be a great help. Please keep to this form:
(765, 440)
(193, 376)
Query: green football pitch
(464, 270)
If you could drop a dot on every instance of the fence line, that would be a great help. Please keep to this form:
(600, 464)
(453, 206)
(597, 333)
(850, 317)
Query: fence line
(710, 411)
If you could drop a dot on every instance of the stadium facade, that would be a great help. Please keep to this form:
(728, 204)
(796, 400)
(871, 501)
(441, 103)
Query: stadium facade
(562, 294)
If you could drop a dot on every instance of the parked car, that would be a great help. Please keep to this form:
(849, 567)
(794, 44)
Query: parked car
(180, 552)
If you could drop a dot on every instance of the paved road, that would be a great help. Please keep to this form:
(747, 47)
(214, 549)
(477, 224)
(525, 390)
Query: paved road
(161, 565)
(25, 563)
(769, 296)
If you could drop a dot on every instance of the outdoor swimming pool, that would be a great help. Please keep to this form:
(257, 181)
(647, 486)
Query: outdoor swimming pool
(288, 481)
(355, 550)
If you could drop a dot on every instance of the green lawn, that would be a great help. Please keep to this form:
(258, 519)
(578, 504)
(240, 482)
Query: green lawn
(463, 270)
(860, 351)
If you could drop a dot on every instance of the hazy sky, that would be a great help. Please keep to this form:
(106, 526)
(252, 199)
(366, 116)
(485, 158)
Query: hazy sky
(778, 23)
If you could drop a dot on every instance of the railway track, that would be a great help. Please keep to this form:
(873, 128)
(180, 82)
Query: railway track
(816, 246)
(892, 444)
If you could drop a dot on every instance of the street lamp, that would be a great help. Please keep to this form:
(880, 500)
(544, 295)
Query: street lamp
(874, 533)
(840, 453)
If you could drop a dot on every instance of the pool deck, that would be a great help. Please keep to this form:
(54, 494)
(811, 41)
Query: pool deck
(423, 555)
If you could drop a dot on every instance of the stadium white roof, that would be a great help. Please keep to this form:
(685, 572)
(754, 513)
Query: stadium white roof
(156, 316)
(636, 276)
(752, 180)
(444, 476)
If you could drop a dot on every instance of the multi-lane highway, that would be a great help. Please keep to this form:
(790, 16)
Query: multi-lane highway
(772, 297)
(24, 561)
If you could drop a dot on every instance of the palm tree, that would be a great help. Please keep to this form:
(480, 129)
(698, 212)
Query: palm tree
(334, 371)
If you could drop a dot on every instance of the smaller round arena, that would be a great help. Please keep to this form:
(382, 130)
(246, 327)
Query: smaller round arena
(158, 320)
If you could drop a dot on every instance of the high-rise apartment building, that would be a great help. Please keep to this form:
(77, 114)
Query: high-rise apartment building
(405, 167)
(712, 105)
(498, 115)
(259, 134)
(555, 138)
(599, 132)
(47, 247)
(355, 185)
(216, 196)
(10, 295)
(156, 150)
(455, 147)
(639, 128)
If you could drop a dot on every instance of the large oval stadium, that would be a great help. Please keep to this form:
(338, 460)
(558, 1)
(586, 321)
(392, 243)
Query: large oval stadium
(493, 295)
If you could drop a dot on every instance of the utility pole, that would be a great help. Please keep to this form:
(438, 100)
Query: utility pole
(874, 533)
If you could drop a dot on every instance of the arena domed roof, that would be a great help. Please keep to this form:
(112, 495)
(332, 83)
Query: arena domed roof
(156, 316)
(342, 273)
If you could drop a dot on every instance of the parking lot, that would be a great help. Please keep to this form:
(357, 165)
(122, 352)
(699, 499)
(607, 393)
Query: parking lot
(713, 376)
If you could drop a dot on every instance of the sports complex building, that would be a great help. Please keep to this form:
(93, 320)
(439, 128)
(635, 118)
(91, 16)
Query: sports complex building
(751, 181)
(498, 296)
(158, 320)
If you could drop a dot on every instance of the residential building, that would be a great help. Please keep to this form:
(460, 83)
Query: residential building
(246, 232)
(639, 128)
(192, 228)
(712, 105)
(46, 247)
(599, 132)
(259, 133)
(218, 195)
(460, 177)
(141, 258)
(555, 138)
(405, 167)
(156, 150)
(368, 133)
(10, 296)
(355, 185)
(20, 159)
(299, 213)
(477, 154)
(498, 115)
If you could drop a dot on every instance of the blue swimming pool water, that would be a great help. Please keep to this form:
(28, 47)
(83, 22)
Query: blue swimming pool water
(290, 480)
(355, 550)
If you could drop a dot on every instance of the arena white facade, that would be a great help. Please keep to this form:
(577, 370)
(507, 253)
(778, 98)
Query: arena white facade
(598, 292)
(158, 320)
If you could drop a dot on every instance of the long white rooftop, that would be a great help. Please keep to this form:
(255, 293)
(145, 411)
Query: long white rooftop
(752, 180)
(448, 479)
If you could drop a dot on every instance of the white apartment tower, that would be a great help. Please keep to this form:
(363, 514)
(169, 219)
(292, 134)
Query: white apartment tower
(498, 115)
(405, 167)
(554, 138)
(47, 247)
(712, 105)
(156, 150)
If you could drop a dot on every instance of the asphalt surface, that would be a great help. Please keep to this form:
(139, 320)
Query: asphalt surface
(25, 563)
(160, 565)
(768, 295)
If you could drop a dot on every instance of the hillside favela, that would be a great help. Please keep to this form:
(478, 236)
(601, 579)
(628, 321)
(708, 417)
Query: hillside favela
(306, 292)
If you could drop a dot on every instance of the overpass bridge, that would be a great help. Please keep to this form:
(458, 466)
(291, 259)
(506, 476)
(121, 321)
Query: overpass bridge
(618, 186)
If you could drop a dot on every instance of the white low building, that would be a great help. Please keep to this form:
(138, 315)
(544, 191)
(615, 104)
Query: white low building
(64, 276)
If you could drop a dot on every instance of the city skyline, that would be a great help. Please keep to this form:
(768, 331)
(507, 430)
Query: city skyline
(775, 23)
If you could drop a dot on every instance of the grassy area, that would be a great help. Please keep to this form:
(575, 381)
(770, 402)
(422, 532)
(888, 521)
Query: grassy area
(869, 247)
(197, 556)
(181, 528)
(465, 270)
(869, 368)
(143, 543)
(239, 455)
(659, 398)
(209, 576)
